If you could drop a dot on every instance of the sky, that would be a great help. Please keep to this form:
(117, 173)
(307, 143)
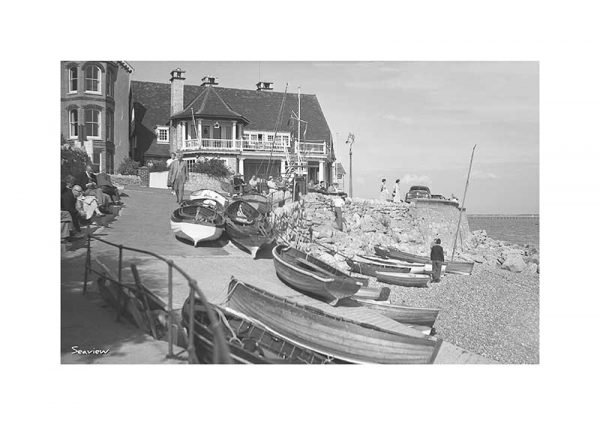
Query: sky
(413, 121)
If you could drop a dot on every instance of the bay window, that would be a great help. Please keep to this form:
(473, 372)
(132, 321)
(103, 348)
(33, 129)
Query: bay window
(73, 124)
(93, 79)
(73, 75)
(92, 123)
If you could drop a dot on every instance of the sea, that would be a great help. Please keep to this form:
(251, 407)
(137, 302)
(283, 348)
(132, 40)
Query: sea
(518, 229)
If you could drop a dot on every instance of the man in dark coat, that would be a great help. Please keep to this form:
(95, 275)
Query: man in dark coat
(106, 185)
(437, 258)
(67, 201)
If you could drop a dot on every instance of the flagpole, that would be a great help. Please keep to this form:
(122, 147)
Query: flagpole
(463, 203)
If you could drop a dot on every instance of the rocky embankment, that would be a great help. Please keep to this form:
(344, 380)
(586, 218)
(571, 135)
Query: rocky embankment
(494, 312)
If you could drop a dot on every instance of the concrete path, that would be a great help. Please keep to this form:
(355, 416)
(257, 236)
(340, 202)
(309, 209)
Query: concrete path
(144, 224)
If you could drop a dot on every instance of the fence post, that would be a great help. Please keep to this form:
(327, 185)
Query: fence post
(191, 320)
(87, 264)
(170, 307)
(120, 262)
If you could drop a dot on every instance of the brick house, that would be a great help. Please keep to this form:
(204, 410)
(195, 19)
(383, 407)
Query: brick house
(94, 108)
(235, 125)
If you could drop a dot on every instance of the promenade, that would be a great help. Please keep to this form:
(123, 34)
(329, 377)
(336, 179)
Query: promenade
(144, 224)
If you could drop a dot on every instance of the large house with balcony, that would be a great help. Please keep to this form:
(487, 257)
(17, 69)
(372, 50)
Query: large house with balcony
(94, 108)
(235, 125)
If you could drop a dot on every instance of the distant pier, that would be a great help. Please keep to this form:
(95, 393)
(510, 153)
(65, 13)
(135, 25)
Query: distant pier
(506, 216)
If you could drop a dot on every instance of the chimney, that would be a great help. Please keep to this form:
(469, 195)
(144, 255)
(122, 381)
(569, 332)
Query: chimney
(177, 90)
(263, 86)
(209, 80)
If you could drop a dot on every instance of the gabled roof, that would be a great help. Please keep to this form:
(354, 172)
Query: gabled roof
(153, 107)
(209, 104)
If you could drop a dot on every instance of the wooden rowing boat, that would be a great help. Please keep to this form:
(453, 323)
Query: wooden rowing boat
(371, 268)
(456, 267)
(247, 227)
(403, 279)
(197, 221)
(261, 203)
(318, 279)
(402, 313)
(249, 341)
(389, 261)
(345, 339)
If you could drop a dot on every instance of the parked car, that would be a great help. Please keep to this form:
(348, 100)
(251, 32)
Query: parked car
(418, 192)
(438, 197)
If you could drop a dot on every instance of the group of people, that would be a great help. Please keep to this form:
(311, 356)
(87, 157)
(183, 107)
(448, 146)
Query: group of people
(80, 206)
(384, 193)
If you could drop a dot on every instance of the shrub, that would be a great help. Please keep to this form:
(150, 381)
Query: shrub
(213, 167)
(159, 166)
(128, 167)
(73, 161)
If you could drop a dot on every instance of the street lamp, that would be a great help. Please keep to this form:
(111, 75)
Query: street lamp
(350, 140)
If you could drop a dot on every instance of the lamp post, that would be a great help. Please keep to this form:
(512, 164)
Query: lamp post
(350, 141)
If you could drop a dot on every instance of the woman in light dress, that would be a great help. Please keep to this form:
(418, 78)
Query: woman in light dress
(397, 194)
(384, 193)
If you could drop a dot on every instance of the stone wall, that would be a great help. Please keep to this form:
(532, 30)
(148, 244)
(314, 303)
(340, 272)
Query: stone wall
(440, 221)
(125, 180)
(199, 181)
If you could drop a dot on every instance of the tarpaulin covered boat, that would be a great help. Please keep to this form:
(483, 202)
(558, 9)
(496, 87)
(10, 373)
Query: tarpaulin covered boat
(336, 336)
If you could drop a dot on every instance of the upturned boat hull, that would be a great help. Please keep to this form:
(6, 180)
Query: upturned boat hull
(196, 233)
(331, 335)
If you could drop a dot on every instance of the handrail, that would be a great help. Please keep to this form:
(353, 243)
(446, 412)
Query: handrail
(220, 350)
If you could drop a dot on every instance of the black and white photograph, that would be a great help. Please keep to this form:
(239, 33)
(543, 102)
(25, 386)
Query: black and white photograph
(300, 212)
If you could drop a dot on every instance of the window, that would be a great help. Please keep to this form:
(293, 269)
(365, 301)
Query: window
(92, 79)
(73, 124)
(109, 126)
(286, 140)
(270, 138)
(162, 135)
(228, 132)
(206, 132)
(109, 84)
(73, 80)
(92, 123)
(254, 137)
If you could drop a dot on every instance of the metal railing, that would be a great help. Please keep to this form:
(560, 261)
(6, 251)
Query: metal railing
(220, 350)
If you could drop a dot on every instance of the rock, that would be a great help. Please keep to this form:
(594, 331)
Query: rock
(324, 231)
(514, 263)
(531, 269)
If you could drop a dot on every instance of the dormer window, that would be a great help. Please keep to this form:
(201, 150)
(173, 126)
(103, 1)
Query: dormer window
(73, 74)
(93, 80)
(162, 135)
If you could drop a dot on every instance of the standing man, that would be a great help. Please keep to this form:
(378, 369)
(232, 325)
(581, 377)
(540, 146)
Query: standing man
(397, 194)
(338, 204)
(437, 258)
(178, 176)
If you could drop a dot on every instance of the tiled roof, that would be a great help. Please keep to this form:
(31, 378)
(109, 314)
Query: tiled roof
(152, 103)
(209, 104)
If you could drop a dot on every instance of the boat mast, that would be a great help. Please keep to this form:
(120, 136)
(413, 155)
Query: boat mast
(463, 203)
(298, 138)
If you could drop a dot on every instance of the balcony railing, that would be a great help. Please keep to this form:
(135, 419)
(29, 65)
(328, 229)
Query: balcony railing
(254, 145)
(312, 148)
(211, 145)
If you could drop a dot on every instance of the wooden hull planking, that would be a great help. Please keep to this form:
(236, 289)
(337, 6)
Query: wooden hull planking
(403, 279)
(344, 339)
